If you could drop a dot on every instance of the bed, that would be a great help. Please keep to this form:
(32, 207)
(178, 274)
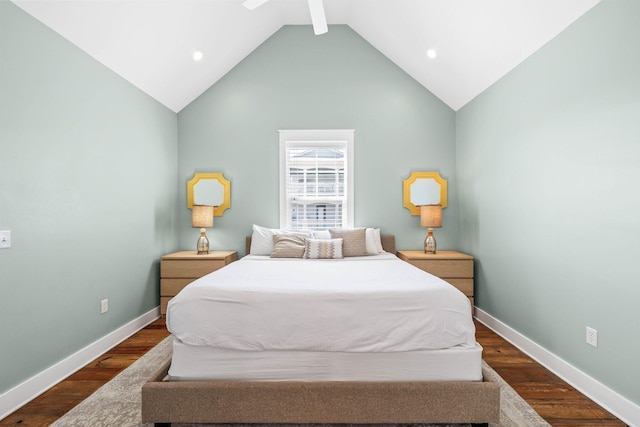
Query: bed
(369, 356)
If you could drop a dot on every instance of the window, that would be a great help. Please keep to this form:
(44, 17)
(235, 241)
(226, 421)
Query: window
(316, 179)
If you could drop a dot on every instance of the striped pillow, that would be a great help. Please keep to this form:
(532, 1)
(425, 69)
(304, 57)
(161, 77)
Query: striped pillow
(322, 249)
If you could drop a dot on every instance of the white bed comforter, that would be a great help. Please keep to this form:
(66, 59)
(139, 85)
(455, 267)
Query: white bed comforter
(368, 304)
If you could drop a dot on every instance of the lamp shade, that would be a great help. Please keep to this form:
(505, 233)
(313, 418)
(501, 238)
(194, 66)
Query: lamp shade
(202, 216)
(431, 216)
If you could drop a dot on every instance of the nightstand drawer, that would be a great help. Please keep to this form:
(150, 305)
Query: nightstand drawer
(189, 268)
(465, 285)
(445, 268)
(171, 287)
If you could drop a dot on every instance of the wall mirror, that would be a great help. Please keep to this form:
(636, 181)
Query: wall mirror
(424, 188)
(209, 188)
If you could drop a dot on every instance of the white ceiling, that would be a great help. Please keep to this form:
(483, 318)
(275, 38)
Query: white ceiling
(150, 42)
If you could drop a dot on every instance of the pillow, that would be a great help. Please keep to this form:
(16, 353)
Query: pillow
(322, 249)
(322, 235)
(262, 240)
(374, 245)
(376, 232)
(354, 241)
(288, 245)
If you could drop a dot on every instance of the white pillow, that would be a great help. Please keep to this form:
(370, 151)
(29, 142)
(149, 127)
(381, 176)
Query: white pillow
(378, 241)
(322, 249)
(374, 244)
(322, 235)
(262, 240)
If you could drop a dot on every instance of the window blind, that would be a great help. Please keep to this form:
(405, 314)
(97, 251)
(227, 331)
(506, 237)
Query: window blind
(316, 194)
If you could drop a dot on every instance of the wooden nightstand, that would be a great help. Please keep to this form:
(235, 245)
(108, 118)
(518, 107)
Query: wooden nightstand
(179, 269)
(454, 267)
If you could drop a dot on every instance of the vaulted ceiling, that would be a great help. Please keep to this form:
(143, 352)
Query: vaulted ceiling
(151, 42)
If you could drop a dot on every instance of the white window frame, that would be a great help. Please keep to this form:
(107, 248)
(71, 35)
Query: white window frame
(318, 138)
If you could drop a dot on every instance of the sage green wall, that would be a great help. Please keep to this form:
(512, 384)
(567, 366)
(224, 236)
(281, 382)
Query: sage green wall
(548, 172)
(88, 188)
(297, 80)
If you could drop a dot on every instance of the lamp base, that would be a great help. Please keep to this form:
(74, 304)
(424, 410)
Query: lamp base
(430, 242)
(203, 243)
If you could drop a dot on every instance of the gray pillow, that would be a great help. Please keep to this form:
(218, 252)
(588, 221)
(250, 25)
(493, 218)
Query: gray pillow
(354, 241)
(288, 245)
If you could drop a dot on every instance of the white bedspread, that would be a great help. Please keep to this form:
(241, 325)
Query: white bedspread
(366, 304)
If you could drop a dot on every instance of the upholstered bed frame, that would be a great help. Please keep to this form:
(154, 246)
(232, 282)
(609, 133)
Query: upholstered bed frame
(332, 402)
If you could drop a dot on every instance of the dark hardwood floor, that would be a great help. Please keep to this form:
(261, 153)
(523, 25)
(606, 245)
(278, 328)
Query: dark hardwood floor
(556, 401)
(61, 398)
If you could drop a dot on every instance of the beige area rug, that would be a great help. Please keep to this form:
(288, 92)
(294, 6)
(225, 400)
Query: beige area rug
(117, 403)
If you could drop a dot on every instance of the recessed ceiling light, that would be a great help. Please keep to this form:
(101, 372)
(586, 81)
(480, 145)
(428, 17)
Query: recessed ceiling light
(431, 53)
(197, 55)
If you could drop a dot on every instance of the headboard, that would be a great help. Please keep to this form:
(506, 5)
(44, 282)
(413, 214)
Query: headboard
(388, 243)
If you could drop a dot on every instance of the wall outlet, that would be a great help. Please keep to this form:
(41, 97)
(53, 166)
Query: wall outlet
(5, 239)
(104, 306)
(592, 337)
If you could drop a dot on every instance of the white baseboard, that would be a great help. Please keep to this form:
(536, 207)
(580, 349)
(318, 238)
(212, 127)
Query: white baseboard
(15, 398)
(613, 402)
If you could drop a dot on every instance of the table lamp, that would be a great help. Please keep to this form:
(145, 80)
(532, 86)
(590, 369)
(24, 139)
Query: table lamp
(430, 217)
(202, 218)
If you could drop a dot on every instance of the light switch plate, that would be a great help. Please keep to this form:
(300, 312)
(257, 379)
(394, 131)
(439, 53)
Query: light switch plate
(5, 239)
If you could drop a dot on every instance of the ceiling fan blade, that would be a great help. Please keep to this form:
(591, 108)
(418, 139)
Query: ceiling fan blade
(252, 4)
(318, 18)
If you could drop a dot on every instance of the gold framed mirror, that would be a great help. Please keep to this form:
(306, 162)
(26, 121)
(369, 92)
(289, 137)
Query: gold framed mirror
(424, 188)
(209, 188)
